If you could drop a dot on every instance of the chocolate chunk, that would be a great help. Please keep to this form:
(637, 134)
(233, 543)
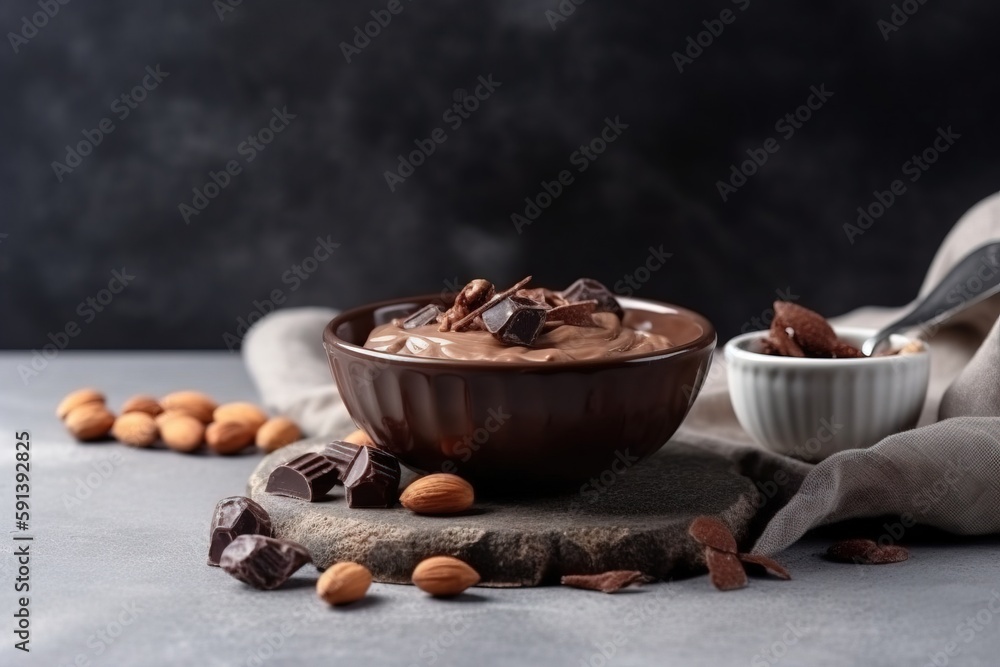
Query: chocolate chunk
(235, 516)
(341, 454)
(372, 479)
(422, 317)
(711, 532)
(263, 562)
(606, 582)
(309, 477)
(515, 320)
(577, 314)
(588, 289)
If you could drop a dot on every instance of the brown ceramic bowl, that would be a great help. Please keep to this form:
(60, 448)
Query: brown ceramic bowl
(526, 425)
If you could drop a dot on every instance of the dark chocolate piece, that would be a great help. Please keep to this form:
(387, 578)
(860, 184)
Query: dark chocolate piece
(308, 477)
(235, 516)
(588, 289)
(577, 314)
(515, 320)
(341, 454)
(422, 317)
(373, 479)
(263, 562)
(468, 319)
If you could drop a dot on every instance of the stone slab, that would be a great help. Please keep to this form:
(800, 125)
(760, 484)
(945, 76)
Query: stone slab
(635, 518)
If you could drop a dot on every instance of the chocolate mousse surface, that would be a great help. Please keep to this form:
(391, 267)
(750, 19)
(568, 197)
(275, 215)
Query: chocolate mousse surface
(563, 343)
(583, 322)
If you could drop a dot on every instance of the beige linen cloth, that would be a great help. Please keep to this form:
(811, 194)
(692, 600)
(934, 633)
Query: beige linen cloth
(945, 473)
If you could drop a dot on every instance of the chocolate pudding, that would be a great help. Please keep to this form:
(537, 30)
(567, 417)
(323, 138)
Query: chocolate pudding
(582, 322)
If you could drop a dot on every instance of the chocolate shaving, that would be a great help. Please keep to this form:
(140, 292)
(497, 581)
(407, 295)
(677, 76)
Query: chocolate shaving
(769, 565)
(462, 323)
(890, 553)
(537, 294)
(866, 552)
(606, 582)
(710, 532)
(577, 314)
(725, 570)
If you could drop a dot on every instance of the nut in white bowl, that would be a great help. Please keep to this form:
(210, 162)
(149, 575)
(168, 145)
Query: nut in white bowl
(812, 408)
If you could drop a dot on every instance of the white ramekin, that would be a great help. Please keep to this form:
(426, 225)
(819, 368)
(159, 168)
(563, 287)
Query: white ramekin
(812, 408)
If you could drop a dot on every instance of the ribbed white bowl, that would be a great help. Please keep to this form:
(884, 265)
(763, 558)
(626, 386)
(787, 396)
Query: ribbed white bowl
(812, 408)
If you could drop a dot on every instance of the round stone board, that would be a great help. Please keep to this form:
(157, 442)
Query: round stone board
(633, 517)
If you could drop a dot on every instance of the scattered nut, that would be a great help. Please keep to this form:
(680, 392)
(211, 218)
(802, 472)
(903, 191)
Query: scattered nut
(444, 576)
(440, 493)
(343, 582)
(198, 405)
(248, 413)
(228, 437)
(913, 347)
(90, 421)
(169, 414)
(182, 433)
(135, 428)
(359, 437)
(277, 432)
(142, 403)
(78, 398)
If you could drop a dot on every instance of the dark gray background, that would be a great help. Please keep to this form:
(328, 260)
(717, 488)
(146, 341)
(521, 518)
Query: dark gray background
(451, 219)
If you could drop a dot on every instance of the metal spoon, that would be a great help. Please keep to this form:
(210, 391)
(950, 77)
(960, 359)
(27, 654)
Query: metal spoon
(975, 278)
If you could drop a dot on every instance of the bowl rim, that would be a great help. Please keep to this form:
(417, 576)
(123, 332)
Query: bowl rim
(735, 349)
(707, 340)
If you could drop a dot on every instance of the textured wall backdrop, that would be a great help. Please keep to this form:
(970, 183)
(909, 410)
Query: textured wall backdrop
(191, 86)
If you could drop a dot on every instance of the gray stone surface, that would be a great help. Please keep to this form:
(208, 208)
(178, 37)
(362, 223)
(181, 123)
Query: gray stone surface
(634, 520)
(92, 558)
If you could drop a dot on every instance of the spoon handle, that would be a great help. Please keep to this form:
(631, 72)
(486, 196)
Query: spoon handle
(973, 279)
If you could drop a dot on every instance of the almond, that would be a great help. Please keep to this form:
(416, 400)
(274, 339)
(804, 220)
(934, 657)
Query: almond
(276, 433)
(248, 413)
(90, 421)
(198, 405)
(343, 583)
(359, 437)
(443, 576)
(78, 398)
(807, 328)
(228, 437)
(170, 414)
(182, 433)
(142, 403)
(441, 493)
(135, 428)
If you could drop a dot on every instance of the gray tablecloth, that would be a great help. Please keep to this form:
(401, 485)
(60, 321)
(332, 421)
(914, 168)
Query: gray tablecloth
(118, 574)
